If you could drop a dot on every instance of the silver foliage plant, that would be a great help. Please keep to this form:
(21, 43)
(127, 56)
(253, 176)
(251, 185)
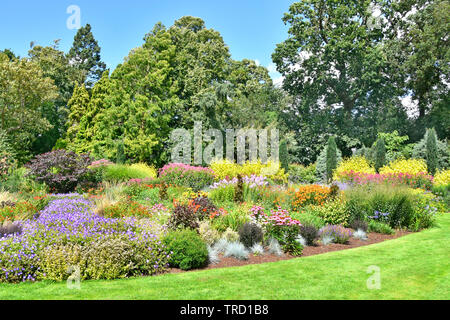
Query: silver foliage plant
(275, 248)
(236, 250)
(360, 234)
(257, 249)
(326, 240)
(213, 255)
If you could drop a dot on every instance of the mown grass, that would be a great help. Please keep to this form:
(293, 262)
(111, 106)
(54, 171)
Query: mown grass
(416, 266)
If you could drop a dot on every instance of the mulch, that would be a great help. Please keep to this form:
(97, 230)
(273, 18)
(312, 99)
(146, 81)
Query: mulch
(226, 262)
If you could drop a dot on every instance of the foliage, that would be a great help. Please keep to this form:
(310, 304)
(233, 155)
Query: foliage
(310, 233)
(442, 178)
(69, 221)
(432, 153)
(380, 154)
(184, 217)
(411, 166)
(331, 212)
(274, 247)
(188, 251)
(310, 195)
(331, 157)
(419, 180)
(359, 225)
(23, 91)
(223, 194)
(126, 209)
(60, 170)
(226, 169)
(236, 217)
(208, 233)
(203, 207)
(420, 151)
(379, 227)
(357, 164)
(301, 174)
(123, 172)
(185, 175)
(85, 56)
(10, 229)
(250, 234)
(321, 164)
(239, 193)
(21, 210)
(337, 232)
(284, 155)
(360, 235)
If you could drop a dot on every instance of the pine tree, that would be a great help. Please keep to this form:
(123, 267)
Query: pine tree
(380, 154)
(284, 156)
(331, 158)
(432, 153)
(78, 105)
(85, 57)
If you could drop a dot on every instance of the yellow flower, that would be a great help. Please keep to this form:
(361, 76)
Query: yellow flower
(411, 166)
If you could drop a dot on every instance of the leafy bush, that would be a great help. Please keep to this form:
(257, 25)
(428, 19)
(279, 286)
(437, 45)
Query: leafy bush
(310, 195)
(310, 233)
(281, 227)
(225, 169)
(184, 217)
(126, 209)
(208, 233)
(187, 176)
(188, 251)
(356, 164)
(338, 233)
(123, 173)
(301, 174)
(410, 166)
(230, 235)
(250, 234)
(60, 170)
(223, 194)
(379, 227)
(359, 225)
(442, 178)
(331, 212)
(236, 217)
(309, 218)
(202, 207)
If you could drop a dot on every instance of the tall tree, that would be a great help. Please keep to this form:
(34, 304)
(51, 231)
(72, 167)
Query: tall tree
(380, 154)
(331, 157)
(419, 52)
(55, 65)
(85, 56)
(333, 63)
(23, 91)
(78, 105)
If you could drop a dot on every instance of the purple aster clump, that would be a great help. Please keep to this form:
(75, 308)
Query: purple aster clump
(71, 220)
(338, 233)
(252, 181)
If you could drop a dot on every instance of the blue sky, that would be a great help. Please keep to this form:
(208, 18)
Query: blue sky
(251, 28)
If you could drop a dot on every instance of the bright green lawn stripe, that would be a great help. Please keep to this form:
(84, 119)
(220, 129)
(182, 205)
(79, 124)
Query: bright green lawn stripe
(412, 267)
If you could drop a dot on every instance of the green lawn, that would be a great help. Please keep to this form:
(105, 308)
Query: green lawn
(416, 266)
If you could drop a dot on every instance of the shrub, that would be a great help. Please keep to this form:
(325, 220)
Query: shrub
(321, 163)
(236, 250)
(379, 227)
(239, 193)
(250, 234)
(123, 173)
(442, 178)
(230, 235)
(234, 219)
(355, 164)
(226, 169)
(331, 157)
(338, 233)
(188, 251)
(411, 166)
(310, 195)
(359, 225)
(126, 209)
(331, 212)
(380, 154)
(184, 217)
(223, 194)
(202, 207)
(187, 176)
(208, 233)
(60, 170)
(309, 218)
(285, 230)
(274, 247)
(399, 207)
(284, 156)
(419, 180)
(309, 233)
(20, 210)
(301, 174)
